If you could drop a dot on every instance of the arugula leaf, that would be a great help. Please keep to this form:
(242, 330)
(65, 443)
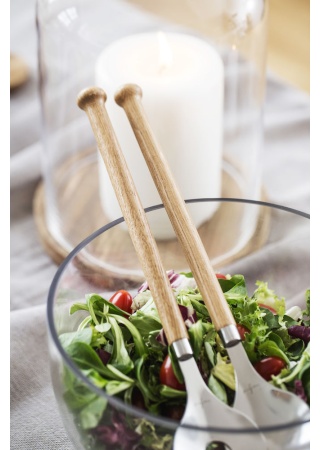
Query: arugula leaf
(235, 294)
(113, 387)
(86, 358)
(297, 371)
(250, 344)
(146, 324)
(84, 335)
(224, 371)
(117, 375)
(267, 296)
(154, 345)
(76, 394)
(103, 327)
(196, 333)
(150, 438)
(140, 300)
(236, 284)
(99, 339)
(277, 339)
(95, 378)
(120, 358)
(140, 347)
(288, 321)
(175, 365)
(187, 274)
(91, 414)
(306, 311)
(272, 320)
(295, 350)
(200, 308)
(285, 337)
(78, 307)
(209, 352)
(217, 388)
(168, 392)
(144, 382)
(97, 305)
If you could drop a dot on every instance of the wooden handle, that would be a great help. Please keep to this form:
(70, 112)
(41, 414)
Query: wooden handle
(129, 97)
(92, 101)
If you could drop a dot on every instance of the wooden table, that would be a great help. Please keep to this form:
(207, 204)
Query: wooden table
(289, 41)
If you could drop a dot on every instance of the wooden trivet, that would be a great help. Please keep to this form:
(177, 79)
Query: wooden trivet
(112, 256)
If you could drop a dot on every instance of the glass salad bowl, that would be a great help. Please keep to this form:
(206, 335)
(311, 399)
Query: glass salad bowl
(117, 383)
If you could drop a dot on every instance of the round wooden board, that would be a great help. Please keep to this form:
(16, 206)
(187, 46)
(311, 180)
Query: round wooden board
(112, 255)
(19, 71)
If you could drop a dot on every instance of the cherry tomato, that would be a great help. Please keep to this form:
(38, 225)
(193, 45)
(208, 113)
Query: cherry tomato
(272, 365)
(123, 300)
(167, 376)
(242, 330)
(262, 305)
(220, 275)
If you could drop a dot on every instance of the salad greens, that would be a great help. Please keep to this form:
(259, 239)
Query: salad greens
(124, 354)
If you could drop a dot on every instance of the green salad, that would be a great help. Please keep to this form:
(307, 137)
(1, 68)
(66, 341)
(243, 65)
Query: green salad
(121, 347)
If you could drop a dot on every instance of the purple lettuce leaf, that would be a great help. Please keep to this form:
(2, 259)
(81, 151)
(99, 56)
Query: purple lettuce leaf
(300, 331)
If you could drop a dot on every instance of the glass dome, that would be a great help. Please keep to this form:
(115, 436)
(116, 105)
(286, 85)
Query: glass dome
(201, 67)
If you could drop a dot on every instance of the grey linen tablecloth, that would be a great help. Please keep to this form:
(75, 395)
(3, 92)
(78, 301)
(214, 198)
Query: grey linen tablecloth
(35, 420)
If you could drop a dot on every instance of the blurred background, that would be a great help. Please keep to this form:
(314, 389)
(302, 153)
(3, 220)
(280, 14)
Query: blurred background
(289, 41)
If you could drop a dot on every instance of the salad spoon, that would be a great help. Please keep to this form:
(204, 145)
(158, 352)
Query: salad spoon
(203, 408)
(267, 405)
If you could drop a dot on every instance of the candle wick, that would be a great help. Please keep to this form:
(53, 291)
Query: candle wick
(165, 53)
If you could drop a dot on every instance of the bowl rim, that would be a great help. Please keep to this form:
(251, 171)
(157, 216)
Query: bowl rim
(114, 401)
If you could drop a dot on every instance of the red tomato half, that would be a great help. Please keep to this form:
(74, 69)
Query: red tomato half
(123, 300)
(220, 275)
(272, 365)
(262, 305)
(242, 330)
(167, 376)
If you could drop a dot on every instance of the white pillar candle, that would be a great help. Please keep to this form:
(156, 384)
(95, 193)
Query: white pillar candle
(181, 77)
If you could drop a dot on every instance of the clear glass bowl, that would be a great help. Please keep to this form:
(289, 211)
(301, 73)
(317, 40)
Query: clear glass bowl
(276, 251)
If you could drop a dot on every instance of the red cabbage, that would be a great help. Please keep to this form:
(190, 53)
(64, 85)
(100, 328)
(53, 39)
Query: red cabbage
(174, 279)
(118, 434)
(187, 317)
(300, 331)
(103, 355)
(162, 338)
(299, 390)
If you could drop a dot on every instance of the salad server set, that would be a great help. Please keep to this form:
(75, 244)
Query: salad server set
(258, 405)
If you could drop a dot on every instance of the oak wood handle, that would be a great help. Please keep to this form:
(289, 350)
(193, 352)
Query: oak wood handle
(129, 97)
(92, 101)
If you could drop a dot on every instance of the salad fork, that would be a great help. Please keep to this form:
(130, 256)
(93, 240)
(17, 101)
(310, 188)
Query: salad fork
(203, 408)
(265, 404)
